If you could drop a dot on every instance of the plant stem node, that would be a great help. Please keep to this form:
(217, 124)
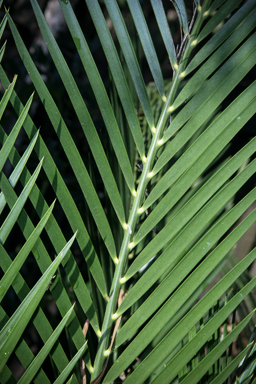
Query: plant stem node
(114, 316)
(164, 98)
(144, 159)
(206, 13)
(153, 129)
(122, 280)
(175, 66)
(150, 174)
(99, 333)
(106, 352)
(194, 42)
(91, 369)
(134, 194)
(140, 210)
(130, 245)
(182, 74)
(170, 109)
(116, 260)
(160, 142)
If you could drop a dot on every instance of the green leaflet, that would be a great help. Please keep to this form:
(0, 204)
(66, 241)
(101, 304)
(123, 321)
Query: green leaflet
(15, 211)
(231, 367)
(165, 31)
(187, 263)
(190, 208)
(68, 145)
(182, 13)
(216, 59)
(38, 361)
(117, 73)
(6, 98)
(219, 16)
(147, 42)
(210, 359)
(13, 329)
(100, 93)
(15, 175)
(205, 140)
(130, 58)
(40, 321)
(82, 114)
(191, 174)
(222, 34)
(3, 23)
(5, 150)
(188, 351)
(44, 261)
(72, 212)
(64, 374)
(2, 51)
(214, 91)
(14, 269)
(178, 332)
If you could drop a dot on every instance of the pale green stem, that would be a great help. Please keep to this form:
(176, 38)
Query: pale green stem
(124, 251)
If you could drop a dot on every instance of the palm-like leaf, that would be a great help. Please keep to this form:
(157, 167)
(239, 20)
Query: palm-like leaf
(13, 328)
(180, 189)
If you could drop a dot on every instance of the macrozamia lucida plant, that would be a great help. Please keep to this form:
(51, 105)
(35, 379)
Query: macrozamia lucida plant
(148, 198)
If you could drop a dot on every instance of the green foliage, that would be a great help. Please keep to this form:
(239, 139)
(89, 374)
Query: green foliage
(160, 196)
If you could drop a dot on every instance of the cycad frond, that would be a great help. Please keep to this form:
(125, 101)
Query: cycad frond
(163, 227)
